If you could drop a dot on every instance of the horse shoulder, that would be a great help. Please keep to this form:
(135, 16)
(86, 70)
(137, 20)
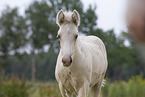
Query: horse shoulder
(98, 53)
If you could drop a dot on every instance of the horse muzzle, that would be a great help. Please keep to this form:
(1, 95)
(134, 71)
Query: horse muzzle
(66, 61)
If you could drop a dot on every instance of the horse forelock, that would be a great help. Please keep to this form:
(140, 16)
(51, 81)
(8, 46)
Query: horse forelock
(68, 25)
(68, 17)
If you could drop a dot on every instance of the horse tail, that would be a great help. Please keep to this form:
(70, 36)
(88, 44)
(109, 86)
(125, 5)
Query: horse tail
(103, 83)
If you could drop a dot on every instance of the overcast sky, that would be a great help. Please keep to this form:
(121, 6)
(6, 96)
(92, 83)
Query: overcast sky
(110, 12)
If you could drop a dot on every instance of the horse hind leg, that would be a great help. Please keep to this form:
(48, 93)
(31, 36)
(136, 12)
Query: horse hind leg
(96, 89)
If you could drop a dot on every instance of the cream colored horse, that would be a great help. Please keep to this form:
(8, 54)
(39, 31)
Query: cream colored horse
(82, 60)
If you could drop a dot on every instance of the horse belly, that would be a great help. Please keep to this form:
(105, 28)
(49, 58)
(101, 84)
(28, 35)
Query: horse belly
(98, 65)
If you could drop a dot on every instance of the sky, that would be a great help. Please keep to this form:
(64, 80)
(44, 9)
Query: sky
(110, 13)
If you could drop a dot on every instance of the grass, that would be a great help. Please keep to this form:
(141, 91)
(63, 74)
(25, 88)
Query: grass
(134, 87)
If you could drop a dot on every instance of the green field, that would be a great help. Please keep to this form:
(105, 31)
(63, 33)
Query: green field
(134, 87)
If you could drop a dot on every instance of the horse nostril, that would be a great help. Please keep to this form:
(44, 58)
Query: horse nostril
(70, 60)
(63, 61)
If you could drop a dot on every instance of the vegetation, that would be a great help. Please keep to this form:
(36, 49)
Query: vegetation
(134, 87)
(13, 88)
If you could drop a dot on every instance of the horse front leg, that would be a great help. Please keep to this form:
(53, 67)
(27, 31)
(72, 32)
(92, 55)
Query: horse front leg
(83, 92)
(62, 90)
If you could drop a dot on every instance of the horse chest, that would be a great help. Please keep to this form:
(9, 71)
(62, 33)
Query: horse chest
(71, 81)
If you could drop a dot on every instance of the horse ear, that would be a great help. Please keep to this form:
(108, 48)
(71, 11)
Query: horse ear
(60, 17)
(76, 18)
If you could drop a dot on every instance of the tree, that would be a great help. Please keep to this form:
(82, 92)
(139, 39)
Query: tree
(13, 31)
(42, 29)
(89, 22)
(123, 61)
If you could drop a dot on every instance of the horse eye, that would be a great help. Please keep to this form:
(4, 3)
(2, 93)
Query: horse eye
(58, 37)
(76, 36)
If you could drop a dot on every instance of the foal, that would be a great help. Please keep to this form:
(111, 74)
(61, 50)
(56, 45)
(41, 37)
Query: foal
(82, 60)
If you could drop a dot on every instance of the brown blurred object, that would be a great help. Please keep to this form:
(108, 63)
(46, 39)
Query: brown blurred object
(136, 19)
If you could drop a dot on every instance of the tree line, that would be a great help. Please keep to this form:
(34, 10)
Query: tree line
(29, 48)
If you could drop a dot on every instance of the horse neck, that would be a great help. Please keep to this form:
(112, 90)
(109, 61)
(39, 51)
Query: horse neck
(78, 46)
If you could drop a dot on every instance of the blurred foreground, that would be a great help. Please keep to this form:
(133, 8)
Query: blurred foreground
(134, 87)
(135, 18)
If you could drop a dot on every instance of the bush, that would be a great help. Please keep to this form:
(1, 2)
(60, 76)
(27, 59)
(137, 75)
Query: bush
(50, 90)
(13, 88)
(135, 87)
(118, 89)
